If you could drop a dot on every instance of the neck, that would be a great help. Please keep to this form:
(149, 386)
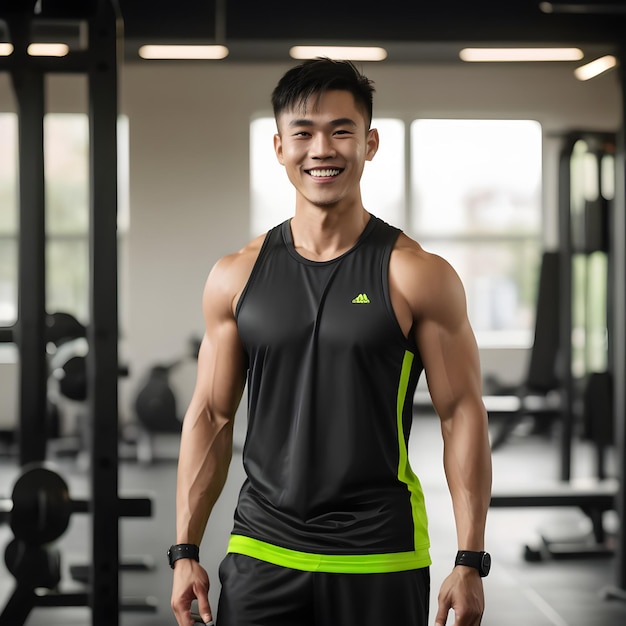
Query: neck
(323, 235)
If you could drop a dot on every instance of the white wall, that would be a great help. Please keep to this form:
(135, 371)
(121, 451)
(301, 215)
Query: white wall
(189, 170)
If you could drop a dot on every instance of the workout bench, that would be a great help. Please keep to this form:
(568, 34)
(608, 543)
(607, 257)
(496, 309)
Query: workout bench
(593, 498)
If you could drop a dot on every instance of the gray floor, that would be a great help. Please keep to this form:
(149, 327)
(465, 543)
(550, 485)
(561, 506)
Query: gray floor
(518, 592)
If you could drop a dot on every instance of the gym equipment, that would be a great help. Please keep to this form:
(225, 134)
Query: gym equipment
(156, 403)
(62, 327)
(538, 395)
(66, 347)
(98, 62)
(38, 513)
(41, 506)
(586, 379)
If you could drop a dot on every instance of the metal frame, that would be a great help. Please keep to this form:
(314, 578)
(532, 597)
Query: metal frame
(619, 341)
(99, 62)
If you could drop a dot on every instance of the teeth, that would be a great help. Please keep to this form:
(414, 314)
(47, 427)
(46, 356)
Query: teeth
(322, 173)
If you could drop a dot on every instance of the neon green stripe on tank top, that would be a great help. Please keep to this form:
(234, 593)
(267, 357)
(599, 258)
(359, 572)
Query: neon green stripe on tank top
(405, 473)
(358, 563)
(329, 563)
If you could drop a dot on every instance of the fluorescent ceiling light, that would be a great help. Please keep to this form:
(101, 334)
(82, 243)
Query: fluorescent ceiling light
(6, 49)
(352, 53)
(594, 68)
(520, 54)
(183, 52)
(557, 7)
(48, 49)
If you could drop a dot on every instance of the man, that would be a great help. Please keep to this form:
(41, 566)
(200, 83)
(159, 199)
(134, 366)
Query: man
(330, 319)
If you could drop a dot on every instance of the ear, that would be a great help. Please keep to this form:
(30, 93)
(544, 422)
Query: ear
(278, 148)
(372, 143)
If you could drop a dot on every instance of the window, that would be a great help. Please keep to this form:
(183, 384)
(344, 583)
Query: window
(476, 201)
(475, 198)
(8, 218)
(66, 162)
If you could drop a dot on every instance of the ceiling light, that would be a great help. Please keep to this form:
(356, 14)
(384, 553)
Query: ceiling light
(557, 7)
(595, 68)
(6, 49)
(48, 49)
(183, 52)
(520, 54)
(352, 53)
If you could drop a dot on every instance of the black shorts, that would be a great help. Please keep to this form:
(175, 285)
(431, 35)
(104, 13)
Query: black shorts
(256, 593)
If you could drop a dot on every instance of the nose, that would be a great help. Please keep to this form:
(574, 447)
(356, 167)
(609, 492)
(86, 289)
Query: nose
(322, 147)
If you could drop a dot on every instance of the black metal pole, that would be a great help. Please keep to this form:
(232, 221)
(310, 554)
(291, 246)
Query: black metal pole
(565, 307)
(28, 83)
(102, 333)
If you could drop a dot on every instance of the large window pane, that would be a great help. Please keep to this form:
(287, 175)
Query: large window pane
(8, 280)
(66, 162)
(476, 200)
(273, 198)
(67, 270)
(500, 280)
(8, 173)
(66, 158)
(475, 176)
(8, 218)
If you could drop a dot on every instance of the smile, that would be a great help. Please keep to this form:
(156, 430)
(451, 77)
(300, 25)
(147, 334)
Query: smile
(325, 173)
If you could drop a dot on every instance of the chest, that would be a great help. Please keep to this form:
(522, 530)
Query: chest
(337, 306)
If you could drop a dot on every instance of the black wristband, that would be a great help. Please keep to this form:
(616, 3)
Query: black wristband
(183, 551)
(480, 561)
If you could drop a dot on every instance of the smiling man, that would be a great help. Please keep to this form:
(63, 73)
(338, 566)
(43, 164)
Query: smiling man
(330, 319)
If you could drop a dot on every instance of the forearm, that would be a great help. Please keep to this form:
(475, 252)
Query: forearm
(205, 454)
(467, 463)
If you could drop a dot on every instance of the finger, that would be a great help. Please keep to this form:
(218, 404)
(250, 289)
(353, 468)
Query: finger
(204, 611)
(442, 617)
(198, 619)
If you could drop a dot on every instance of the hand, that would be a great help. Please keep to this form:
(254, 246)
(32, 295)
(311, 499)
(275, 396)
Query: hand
(191, 582)
(461, 591)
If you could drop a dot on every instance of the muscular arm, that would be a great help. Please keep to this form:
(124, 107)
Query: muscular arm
(429, 300)
(207, 432)
(450, 356)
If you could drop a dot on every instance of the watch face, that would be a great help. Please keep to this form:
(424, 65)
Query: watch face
(486, 563)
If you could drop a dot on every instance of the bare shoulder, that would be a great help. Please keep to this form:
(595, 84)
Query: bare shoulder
(426, 280)
(230, 274)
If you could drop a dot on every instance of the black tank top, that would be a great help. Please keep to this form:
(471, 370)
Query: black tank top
(331, 381)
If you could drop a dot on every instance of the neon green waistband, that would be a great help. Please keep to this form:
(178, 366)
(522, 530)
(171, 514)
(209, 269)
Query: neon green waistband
(330, 563)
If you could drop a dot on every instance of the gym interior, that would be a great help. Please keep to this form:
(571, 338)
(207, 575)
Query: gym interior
(164, 164)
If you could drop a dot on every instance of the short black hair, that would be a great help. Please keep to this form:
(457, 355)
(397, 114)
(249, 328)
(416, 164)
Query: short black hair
(315, 76)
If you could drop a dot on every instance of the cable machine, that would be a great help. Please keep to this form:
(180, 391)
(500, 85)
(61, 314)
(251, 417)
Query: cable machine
(592, 229)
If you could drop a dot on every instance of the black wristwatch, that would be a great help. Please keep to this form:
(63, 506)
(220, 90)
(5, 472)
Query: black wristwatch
(480, 561)
(183, 551)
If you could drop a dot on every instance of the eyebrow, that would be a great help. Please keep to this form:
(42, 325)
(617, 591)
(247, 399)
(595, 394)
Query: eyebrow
(342, 121)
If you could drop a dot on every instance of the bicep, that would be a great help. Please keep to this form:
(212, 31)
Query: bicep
(451, 364)
(220, 377)
(448, 347)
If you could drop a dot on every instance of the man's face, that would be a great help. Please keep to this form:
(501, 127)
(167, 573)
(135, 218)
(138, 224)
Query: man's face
(324, 148)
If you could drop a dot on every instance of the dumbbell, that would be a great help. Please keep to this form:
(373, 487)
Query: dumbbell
(40, 507)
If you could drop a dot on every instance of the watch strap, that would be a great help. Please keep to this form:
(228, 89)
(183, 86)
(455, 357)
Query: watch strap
(480, 561)
(183, 551)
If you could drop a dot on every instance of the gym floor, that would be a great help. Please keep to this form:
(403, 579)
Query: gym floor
(550, 592)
